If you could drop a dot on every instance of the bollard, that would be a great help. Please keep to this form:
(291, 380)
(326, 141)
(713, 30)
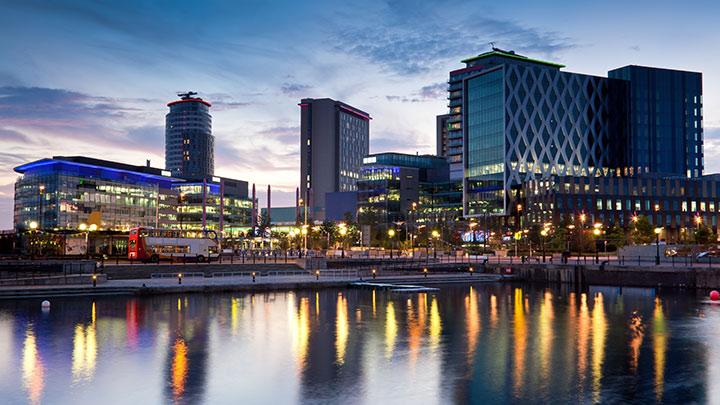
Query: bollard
(179, 278)
(253, 276)
(425, 271)
(317, 274)
(94, 280)
(373, 271)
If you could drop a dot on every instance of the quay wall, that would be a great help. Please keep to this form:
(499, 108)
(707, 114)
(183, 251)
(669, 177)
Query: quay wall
(623, 276)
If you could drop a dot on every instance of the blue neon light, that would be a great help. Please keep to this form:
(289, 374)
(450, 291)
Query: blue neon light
(48, 162)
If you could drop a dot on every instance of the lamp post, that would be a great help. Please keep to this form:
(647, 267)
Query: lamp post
(582, 226)
(657, 245)
(597, 232)
(435, 235)
(570, 227)
(391, 233)
(543, 233)
(40, 218)
(343, 232)
(472, 226)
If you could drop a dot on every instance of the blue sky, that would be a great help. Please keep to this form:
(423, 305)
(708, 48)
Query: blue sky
(93, 77)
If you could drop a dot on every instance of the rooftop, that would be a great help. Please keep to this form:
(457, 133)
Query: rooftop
(512, 55)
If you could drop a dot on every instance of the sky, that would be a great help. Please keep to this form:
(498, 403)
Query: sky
(93, 78)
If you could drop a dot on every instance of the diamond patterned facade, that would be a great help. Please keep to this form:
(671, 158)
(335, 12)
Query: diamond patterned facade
(525, 122)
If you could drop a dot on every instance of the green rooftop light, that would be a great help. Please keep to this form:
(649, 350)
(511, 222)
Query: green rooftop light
(508, 55)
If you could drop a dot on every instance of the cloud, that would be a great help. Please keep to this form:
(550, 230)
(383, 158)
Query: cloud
(295, 89)
(417, 42)
(432, 92)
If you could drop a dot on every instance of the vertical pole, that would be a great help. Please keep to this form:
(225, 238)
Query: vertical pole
(222, 206)
(204, 194)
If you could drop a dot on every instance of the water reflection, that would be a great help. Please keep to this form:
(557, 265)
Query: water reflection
(84, 355)
(33, 369)
(489, 343)
(599, 330)
(659, 345)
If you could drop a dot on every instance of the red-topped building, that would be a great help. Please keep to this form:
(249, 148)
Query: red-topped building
(189, 143)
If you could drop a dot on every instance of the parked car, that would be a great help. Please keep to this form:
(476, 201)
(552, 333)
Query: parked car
(710, 255)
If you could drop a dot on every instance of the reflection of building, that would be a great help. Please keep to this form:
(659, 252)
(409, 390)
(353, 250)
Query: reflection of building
(79, 190)
(672, 202)
(72, 191)
(523, 119)
(334, 137)
(395, 187)
(189, 143)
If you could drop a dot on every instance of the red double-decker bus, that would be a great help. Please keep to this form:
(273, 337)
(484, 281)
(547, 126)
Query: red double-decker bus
(153, 245)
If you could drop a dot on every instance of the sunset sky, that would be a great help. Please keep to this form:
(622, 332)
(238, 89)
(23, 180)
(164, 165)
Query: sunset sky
(93, 77)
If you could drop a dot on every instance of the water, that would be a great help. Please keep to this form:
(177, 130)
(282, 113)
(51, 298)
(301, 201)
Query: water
(492, 343)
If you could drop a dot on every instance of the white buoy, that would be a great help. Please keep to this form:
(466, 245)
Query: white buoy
(46, 304)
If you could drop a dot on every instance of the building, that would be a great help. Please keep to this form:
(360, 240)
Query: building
(65, 192)
(334, 138)
(189, 143)
(678, 204)
(397, 187)
(664, 121)
(523, 119)
(200, 205)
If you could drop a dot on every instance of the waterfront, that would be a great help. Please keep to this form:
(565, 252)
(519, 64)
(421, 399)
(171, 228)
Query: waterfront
(498, 342)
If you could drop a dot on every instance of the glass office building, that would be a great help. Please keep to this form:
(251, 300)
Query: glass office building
(524, 119)
(65, 192)
(664, 121)
(397, 187)
(235, 206)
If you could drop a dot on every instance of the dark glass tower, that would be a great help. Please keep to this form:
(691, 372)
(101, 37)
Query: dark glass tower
(664, 123)
(189, 143)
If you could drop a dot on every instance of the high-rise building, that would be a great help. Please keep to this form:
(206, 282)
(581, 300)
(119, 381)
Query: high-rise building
(334, 138)
(523, 119)
(663, 122)
(189, 143)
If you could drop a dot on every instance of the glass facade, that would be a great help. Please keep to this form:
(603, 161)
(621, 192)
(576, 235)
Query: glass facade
(72, 193)
(664, 121)
(64, 192)
(237, 210)
(485, 143)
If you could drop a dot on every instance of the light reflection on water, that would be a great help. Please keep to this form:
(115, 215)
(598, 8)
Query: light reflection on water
(487, 343)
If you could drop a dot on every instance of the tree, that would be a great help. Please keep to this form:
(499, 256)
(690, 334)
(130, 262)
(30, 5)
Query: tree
(703, 235)
(643, 233)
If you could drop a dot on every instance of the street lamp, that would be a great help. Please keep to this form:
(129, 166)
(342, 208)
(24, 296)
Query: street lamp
(544, 234)
(42, 188)
(435, 235)
(597, 232)
(33, 225)
(391, 233)
(343, 232)
(657, 245)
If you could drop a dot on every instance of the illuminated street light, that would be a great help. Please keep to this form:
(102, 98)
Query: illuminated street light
(33, 225)
(435, 233)
(93, 227)
(657, 245)
(82, 227)
(596, 231)
(391, 232)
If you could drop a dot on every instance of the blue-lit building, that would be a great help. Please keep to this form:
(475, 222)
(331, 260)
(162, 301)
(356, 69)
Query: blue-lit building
(524, 120)
(64, 193)
(189, 143)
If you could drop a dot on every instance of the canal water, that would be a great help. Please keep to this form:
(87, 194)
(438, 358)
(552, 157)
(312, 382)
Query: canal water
(490, 343)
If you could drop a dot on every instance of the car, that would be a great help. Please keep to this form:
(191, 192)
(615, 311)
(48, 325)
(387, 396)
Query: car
(671, 252)
(710, 255)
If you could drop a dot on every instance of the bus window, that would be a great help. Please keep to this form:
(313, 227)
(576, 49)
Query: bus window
(191, 234)
(144, 233)
(212, 249)
(133, 232)
(182, 249)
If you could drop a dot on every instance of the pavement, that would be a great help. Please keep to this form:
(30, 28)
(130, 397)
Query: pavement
(237, 283)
